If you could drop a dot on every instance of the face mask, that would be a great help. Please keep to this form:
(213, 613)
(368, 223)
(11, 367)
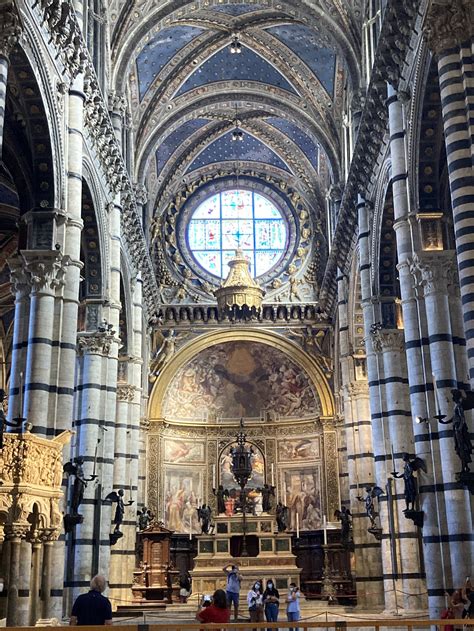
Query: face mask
(270, 585)
(257, 585)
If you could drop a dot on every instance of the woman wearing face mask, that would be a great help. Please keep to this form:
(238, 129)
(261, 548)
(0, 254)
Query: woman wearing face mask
(271, 601)
(255, 602)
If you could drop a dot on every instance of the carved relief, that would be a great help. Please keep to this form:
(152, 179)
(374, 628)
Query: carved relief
(448, 24)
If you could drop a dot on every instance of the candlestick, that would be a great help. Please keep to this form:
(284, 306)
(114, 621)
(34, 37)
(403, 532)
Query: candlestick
(325, 532)
(20, 413)
(273, 476)
(435, 389)
(393, 458)
(297, 526)
(213, 476)
(130, 487)
(95, 456)
(190, 531)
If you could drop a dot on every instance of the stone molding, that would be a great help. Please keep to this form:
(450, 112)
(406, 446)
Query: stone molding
(117, 103)
(448, 24)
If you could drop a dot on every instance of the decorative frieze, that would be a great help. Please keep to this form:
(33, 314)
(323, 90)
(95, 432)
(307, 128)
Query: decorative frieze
(125, 392)
(98, 343)
(448, 24)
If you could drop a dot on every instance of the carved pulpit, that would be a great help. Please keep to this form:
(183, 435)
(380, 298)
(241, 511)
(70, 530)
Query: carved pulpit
(154, 578)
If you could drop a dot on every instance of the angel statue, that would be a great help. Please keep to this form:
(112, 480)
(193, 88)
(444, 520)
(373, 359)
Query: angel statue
(163, 354)
(462, 440)
(345, 517)
(80, 482)
(204, 515)
(117, 496)
(372, 493)
(411, 491)
(282, 517)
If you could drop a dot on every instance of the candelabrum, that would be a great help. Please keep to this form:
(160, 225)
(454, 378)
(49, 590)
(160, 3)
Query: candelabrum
(242, 471)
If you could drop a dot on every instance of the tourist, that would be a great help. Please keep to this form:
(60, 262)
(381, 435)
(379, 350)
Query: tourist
(457, 604)
(233, 587)
(293, 605)
(271, 601)
(184, 588)
(255, 602)
(217, 611)
(92, 608)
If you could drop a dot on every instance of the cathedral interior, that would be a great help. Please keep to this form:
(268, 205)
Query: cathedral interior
(236, 227)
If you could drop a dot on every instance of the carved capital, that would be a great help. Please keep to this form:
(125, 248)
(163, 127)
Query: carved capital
(10, 28)
(145, 423)
(357, 389)
(17, 530)
(388, 340)
(448, 23)
(18, 274)
(434, 272)
(98, 343)
(45, 270)
(125, 392)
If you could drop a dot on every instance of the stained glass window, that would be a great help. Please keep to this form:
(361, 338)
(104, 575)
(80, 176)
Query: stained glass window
(237, 219)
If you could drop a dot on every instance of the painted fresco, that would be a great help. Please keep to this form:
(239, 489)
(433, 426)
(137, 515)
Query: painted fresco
(182, 496)
(300, 449)
(236, 379)
(302, 492)
(183, 451)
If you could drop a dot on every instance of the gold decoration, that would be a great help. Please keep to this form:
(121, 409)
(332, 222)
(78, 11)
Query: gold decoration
(239, 288)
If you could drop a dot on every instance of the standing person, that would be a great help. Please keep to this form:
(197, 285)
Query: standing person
(271, 601)
(233, 587)
(293, 605)
(92, 608)
(255, 602)
(217, 611)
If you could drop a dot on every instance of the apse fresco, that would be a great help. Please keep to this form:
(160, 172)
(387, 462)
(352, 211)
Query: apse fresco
(183, 451)
(182, 496)
(298, 449)
(302, 493)
(235, 379)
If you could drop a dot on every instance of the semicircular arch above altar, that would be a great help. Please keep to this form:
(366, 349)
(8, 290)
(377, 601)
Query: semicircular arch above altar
(222, 376)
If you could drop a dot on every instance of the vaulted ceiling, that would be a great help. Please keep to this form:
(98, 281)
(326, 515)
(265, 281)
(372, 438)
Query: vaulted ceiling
(186, 90)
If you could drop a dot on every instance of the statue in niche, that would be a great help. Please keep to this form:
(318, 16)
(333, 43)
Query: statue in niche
(164, 353)
(371, 493)
(282, 517)
(462, 441)
(345, 517)
(204, 515)
(117, 496)
(80, 482)
(411, 491)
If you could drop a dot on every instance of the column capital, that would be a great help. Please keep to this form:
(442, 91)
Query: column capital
(125, 392)
(97, 343)
(357, 389)
(145, 423)
(388, 340)
(17, 530)
(10, 28)
(448, 23)
(18, 274)
(45, 269)
(434, 272)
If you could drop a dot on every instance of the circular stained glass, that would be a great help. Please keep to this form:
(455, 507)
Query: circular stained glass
(237, 219)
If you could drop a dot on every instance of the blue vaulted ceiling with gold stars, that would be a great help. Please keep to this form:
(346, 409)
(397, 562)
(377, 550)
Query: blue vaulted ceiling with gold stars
(228, 94)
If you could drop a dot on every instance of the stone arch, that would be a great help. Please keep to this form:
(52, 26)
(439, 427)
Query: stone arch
(190, 350)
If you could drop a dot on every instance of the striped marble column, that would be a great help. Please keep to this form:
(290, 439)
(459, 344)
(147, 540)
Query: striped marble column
(379, 411)
(46, 271)
(418, 364)
(406, 562)
(93, 426)
(360, 460)
(452, 41)
(9, 34)
(433, 273)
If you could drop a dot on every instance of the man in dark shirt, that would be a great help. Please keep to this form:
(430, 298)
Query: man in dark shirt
(92, 608)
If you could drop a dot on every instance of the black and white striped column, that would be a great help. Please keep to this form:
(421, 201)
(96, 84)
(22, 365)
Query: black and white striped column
(452, 42)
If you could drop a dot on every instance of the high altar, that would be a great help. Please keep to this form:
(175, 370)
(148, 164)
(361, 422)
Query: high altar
(270, 554)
